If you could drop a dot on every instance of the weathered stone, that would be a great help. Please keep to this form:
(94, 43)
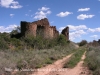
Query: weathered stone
(40, 27)
(65, 32)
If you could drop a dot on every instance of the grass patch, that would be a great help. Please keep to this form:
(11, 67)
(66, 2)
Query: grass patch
(74, 59)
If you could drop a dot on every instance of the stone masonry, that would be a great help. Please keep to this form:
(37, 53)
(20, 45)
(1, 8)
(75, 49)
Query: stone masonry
(41, 28)
(65, 32)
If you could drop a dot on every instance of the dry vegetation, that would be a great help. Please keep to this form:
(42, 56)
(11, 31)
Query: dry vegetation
(35, 52)
(93, 59)
(30, 52)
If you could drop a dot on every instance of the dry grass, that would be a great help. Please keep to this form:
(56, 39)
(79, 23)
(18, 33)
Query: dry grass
(93, 59)
(32, 58)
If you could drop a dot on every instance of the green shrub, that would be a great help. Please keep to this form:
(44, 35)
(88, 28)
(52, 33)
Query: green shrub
(4, 39)
(61, 40)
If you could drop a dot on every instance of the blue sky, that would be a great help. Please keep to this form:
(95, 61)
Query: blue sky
(82, 16)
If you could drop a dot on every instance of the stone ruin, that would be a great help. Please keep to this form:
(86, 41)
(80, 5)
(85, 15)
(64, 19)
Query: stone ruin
(41, 28)
(65, 32)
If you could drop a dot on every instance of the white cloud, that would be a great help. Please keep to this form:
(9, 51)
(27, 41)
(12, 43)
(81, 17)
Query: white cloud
(83, 9)
(91, 30)
(43, 9)
(61, 28)
(12, 15)
(84, 16)
(94, 30)
(64, 14)
(72, 27)
(76, 34)
(97, 29)
(10, 4)
(75, 31)
(94, 36)
(7, 29)
(42, 13)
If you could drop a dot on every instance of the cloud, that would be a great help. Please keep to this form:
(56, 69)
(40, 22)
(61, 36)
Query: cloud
(76, 34)
(12, 15)
(91, 30)
(74, 28)
(79, 27)
(7, 29)
(75, 31)
(43, 9)
(42, 13)
(61, 28)
(64, 14)
(84, 16)
(10, 4)
(94, 36)
(94, 30)
(83, 9)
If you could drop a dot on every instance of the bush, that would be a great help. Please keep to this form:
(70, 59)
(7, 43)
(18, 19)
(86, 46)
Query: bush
(3, 45)
(4, 40)
(61, 40)
(30, 42)
(82, 43)
(93, 59)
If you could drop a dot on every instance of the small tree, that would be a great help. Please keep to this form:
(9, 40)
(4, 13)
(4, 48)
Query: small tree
(82, 43)
(16, 30)
(16, 33)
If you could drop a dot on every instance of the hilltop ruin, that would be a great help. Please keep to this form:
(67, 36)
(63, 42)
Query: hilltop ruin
(41, 28)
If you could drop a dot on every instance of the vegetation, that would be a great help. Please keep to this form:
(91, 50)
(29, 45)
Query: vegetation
(23, 59)
(93, 59)
(29, 42)
(82, 43)
(75, 58)
(31, 52)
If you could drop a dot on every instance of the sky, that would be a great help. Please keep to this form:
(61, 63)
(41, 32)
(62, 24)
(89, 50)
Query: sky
(82, 16)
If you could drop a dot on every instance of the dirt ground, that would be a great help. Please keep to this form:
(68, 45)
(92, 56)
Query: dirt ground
(56, 68)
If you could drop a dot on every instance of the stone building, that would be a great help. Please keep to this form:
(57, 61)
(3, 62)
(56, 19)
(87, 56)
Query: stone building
(42, 28)
(39, 28)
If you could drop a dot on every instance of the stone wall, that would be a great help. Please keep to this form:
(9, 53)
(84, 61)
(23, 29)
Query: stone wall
(39, 28)
(65, 32)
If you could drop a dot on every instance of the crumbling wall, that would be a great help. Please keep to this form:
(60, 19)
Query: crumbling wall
(28, 28)
(39, 28)
(40, 31)
(65, 32)
(55, 33)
